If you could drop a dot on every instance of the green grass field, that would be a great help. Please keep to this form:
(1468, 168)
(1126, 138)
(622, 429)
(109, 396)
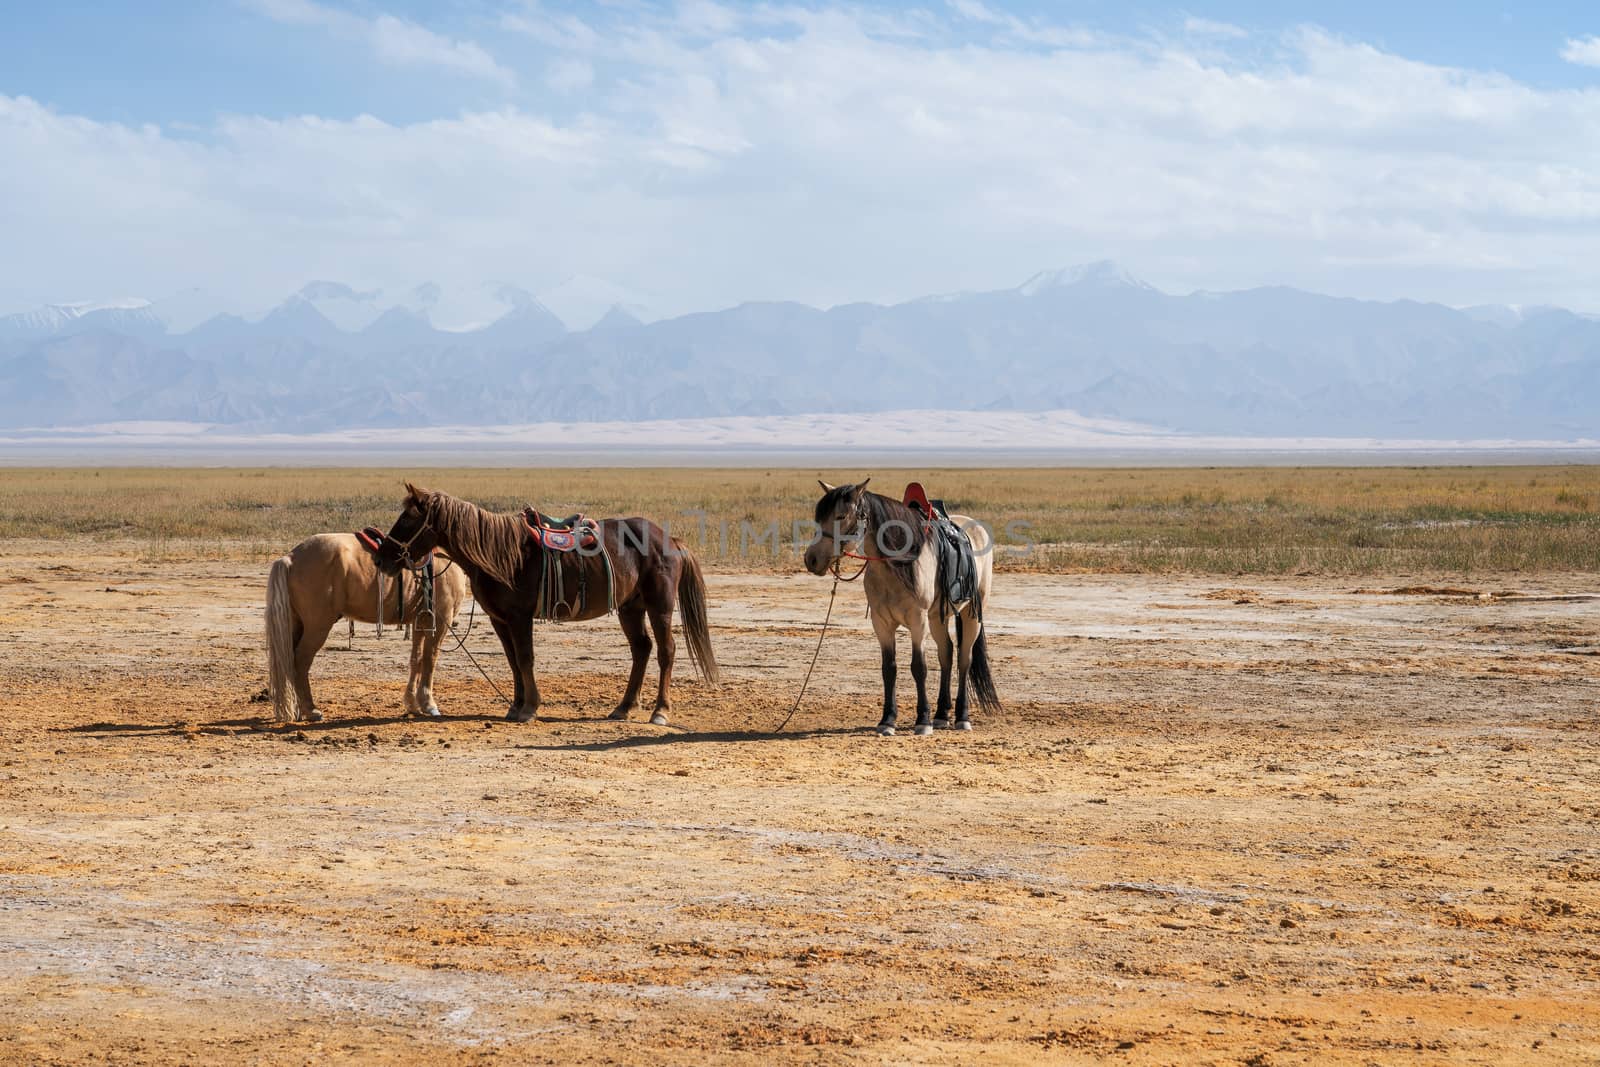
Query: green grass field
(1447, 520)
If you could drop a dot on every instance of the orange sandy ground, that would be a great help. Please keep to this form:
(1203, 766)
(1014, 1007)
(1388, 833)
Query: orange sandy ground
(1285, 823)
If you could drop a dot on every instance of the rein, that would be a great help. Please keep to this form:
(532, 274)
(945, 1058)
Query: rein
(461, 645)
(837, 578)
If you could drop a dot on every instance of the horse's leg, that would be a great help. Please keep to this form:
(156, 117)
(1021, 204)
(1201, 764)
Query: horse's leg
(508, 646)
(661, 626)
(919, 672)
(966, 636)
(522, 641)
(632, 619)
(945, 648)
(424, 655)
(308, 642)
(885, 629)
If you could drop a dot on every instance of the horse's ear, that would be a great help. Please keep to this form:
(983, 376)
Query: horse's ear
(863, 486)
(826, 488)
(412, 490)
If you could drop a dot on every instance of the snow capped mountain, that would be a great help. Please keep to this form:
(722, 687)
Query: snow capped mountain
(53, 318)
(348, 309)
(581, 301)
(1102, 273)
(461, 310)
(1093, 338)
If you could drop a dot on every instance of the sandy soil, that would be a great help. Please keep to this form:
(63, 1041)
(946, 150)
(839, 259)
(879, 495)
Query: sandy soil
(1281, 822)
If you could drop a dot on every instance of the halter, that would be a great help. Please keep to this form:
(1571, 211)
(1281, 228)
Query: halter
(860, 534)
(422, 570)
(405, 546)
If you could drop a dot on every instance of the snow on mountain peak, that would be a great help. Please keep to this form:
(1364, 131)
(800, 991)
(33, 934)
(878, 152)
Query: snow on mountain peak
(1102, 272)
(349, 309)
(461, 310)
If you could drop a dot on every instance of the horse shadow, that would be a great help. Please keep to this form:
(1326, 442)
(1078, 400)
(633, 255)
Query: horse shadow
(265, 726)
(681, 736)
(262, 725)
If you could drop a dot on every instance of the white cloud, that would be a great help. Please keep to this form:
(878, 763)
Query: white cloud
(569, 75)
(1584, 51)
(825, 154)
(1201, 27)
(392, 39)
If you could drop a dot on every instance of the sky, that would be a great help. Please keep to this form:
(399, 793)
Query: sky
(696, 155)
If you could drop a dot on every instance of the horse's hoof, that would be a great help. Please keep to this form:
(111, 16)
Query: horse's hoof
(434, 712)
(886, 731)
(312, 716)
(924, 729)
(620, 715)
(512, 712)
(963, 725)
(658, 719)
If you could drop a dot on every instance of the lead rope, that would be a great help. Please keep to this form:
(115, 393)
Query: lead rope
(461, 644)
(825, 619)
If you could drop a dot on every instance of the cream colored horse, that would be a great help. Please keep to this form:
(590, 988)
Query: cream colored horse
(331, 576)
(901, 584)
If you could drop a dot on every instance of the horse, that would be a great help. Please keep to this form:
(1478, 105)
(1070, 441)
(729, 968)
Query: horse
(645, 573)
(903, 586)
(330, 576)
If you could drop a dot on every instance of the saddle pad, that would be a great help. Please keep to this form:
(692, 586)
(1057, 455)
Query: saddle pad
(563, 535)
(958, 569)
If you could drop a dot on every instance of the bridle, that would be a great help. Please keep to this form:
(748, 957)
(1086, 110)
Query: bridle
(405, 546)
(857, 535)
(421, 569)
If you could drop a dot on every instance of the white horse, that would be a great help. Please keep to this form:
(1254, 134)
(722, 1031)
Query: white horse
(902, 582)
(331, 576)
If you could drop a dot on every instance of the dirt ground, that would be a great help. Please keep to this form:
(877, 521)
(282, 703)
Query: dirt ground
(1289, 822)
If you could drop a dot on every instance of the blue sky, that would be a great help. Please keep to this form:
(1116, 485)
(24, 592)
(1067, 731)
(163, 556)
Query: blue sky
(700, 154)
(188, 62)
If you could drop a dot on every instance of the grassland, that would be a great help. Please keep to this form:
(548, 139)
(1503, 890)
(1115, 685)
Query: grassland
(1425, 520)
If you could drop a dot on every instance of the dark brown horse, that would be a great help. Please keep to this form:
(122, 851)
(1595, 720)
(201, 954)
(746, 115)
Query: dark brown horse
(648, 573)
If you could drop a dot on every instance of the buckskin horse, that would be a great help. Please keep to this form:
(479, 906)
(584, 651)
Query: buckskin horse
(331, 576)
(905, 582)
(512, 561)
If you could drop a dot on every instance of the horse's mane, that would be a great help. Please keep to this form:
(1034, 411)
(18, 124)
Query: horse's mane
(903, 545)
(490, 541)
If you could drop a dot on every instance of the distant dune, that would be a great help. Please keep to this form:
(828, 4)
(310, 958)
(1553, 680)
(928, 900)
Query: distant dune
(944, 437)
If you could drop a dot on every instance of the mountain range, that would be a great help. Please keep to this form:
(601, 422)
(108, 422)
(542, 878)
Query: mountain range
(1093, 339)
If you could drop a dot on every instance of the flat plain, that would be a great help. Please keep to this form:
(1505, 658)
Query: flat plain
(1321, 793)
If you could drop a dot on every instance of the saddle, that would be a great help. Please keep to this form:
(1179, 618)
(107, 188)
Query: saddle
(561, 535)
(373, 540)
(957, 576)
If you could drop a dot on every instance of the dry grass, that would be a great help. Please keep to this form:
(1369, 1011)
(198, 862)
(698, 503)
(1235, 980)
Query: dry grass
(1234, 520)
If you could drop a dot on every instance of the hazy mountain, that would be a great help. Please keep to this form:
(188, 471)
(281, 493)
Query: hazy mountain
(464, 310)
(348, 309)
(1093, 338)
(581, 302)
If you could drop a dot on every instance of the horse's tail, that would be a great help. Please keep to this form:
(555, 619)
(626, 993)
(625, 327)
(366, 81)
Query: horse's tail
(280, 643)
(978, 673)
(692, 599)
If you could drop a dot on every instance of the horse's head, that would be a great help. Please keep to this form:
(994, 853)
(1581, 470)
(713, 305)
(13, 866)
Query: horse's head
(841, 524)
(412, 536)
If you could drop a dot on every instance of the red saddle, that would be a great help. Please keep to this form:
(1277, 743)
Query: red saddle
(561, 535)
(917, 497)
